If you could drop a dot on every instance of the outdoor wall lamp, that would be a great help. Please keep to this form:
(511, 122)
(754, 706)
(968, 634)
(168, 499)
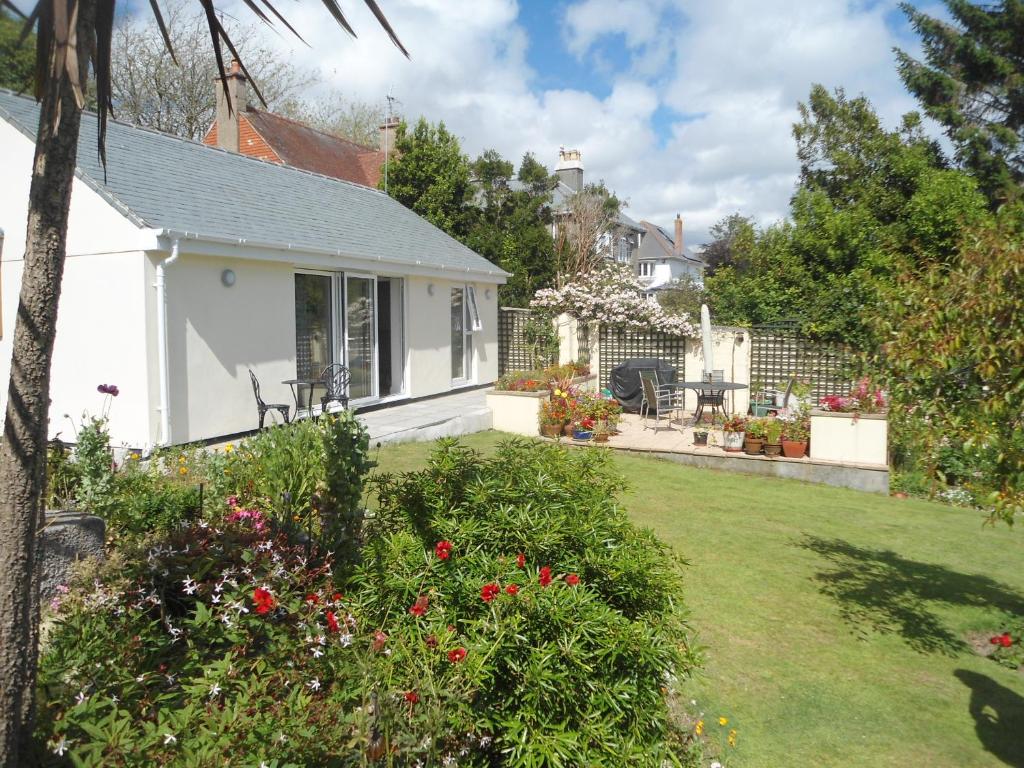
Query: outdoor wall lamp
(227, 277)
(430, 289)
(487, 293)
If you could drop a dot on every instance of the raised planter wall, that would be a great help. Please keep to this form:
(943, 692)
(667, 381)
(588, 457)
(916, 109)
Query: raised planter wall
(519, 412)
(850, 438)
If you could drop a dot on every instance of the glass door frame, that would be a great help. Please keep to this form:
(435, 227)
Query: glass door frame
(374, 351)
(468, 353)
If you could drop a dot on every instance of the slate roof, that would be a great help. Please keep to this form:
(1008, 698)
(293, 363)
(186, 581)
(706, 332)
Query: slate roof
(303, 147)
(666, 241)
(164, 182)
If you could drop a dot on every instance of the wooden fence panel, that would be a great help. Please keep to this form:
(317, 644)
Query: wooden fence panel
(616, 345)
(513, 352)
(779, 352)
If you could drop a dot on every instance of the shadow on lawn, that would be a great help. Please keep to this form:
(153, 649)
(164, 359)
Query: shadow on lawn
(998, 716)
(879, 590)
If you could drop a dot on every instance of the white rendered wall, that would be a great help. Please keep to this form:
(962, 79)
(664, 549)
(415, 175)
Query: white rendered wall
(100, 324)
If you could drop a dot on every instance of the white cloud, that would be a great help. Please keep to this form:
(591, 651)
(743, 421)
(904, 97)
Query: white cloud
(740, 66)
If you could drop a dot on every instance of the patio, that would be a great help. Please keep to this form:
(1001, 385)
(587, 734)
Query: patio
(675, 443)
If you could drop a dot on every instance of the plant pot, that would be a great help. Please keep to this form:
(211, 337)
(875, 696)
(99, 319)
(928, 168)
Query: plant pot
(600, 437)
(582, 434)
(700, 438)
(772, 449)
(753, 446)
(733, 441)
(551, 430)
(794, 449)
(567, 430)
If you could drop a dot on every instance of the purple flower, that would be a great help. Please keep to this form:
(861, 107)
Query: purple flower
(108, 389)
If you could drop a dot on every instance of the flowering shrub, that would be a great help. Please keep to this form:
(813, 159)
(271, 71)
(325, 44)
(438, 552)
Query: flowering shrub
(490, 594)
(863, 399)
(1009, 648)
(539, 380)
(612, 295)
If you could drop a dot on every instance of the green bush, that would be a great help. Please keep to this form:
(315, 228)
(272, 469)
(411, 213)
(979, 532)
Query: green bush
(505, 613)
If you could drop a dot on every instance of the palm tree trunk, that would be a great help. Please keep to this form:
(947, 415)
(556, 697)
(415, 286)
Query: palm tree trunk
(23, 448)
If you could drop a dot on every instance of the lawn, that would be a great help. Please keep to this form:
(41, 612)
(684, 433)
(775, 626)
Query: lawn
(838, 624)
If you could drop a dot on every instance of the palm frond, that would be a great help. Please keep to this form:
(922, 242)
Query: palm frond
(155, 6)
(382, 19)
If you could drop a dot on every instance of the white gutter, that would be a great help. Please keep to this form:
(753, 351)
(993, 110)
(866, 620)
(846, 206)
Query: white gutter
(161, 336)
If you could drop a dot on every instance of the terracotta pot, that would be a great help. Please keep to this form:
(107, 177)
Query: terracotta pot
(551, 430)
(567, 430)
(794, 449)
(733, 441)
(753, 446)
(773, 449)
(600, 437)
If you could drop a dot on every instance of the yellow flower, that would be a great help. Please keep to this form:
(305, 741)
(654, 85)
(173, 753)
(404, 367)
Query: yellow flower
(181, 459)
(229, 448)
(133, 456)
(296, 518)
(182, 470)
(700, 727)
(723, 721)
(732, 738)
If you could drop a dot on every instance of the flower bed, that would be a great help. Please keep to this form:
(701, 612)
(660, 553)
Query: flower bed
(518, 410)
(488, 594)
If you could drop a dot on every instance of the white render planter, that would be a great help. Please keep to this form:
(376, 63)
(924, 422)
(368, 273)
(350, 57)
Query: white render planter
(850, 438)
(516, 412)
(519, 412)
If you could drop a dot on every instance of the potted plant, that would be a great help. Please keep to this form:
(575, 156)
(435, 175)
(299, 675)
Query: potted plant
(700, 436)
(794, 438)
(732, 433)
(583, 429)
(851, 429)
(753, 442)
(601, 431)
(772, 437)
(553, 418)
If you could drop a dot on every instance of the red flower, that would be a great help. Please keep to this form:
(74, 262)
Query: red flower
(431, 641)
(336, 596)
(412, 697)
(312, 599)
(443, 549)
(332, 622)
(521, 560)
(512, 589)
(379, 638)
(108, 389)
(264, 600)
(456, 655)
(1003, 640)
(572, 579)
(545, 576)
(420, 606)
(489, 592)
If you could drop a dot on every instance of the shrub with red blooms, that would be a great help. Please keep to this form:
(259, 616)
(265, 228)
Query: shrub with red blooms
(489, 591)
(419, 608)
(412, 697)
(521, 560)
(1003, 640)
(264, 600)
(1009, 650)
(456, 655)
(443, 549)
(332, 622)
(572, 579)
(544, 577)
(512, 589)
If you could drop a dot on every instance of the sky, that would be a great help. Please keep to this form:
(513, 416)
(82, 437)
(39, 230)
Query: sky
(679, 106)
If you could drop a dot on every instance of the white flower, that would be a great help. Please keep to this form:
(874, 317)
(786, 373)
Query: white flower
(215, 599)
(715, 764)
(264, 764)
(282, 738)
(214, 690)
(170, 738)
(322, 640)
(190, 586)
(345, 640)
(60, 747)
(81, 697)
(317, 652)
(314, 684)
(141, 678)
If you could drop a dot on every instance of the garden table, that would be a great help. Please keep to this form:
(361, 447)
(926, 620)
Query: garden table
(297, 391)
(708, 393)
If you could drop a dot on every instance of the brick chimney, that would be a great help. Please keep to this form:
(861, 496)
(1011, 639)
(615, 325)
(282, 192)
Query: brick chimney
(570, 168)
(228, 119)
(388, 129)
(677, 248)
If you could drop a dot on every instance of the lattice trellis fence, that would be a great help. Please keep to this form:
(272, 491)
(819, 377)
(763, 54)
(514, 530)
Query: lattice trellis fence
(779, 352)
(513, 351)
(616, 345)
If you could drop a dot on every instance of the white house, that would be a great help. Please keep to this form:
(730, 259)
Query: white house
(662, 259)
(188, 265)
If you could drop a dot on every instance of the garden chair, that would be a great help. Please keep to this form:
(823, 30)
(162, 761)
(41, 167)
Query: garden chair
(263, 407)
(780, 399)
(336, 378)
(663, 399)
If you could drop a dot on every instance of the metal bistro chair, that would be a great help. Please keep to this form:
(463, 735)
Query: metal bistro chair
(263, 407)
(662, 399)
(336, 378)
(710, 396)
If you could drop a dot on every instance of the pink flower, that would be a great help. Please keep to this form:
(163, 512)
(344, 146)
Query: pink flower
(108, 389)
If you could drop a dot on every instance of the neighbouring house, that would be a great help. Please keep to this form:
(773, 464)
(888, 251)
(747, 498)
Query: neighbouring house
(240, 127)
(663, 259)
(621, 243)
(188, 265)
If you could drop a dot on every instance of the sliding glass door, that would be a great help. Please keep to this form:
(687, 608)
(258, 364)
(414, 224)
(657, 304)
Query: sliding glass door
(360, 339)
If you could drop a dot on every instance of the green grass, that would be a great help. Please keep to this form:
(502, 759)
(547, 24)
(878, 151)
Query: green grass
(837, 624)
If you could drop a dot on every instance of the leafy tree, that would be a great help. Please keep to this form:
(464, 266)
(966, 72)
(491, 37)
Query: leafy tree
(972, 82)
(72, 39)
(586, 228)
(732, 238)
(17, 61)
(512, 224)
(953, 360)
(431, 176)
(683, 297)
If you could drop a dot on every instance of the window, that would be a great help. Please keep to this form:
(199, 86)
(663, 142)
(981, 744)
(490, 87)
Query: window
(475, 324)
(646, 269)
(462, 339)
(623, 250)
